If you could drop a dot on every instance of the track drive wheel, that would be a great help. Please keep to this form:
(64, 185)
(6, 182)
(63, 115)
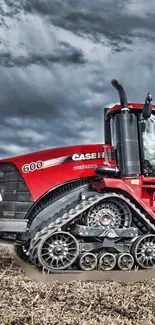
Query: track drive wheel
(111, 212)
(143, 251)
(56, 252)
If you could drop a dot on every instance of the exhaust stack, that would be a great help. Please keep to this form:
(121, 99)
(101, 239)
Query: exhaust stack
(121, 93)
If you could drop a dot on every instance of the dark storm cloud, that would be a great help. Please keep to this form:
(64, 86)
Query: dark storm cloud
(57, 59)
(66, 54)
(112, 19)
(117, 20)
(43, 102)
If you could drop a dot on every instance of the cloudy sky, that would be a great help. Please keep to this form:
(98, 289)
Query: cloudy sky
(57, 59)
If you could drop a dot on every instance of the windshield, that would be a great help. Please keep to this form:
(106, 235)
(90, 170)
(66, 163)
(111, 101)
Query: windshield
(148, 144)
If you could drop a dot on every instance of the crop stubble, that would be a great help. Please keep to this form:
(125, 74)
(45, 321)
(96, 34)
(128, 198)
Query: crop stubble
(24, 301)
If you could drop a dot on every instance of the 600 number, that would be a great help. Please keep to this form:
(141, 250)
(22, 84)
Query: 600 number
(32, 166)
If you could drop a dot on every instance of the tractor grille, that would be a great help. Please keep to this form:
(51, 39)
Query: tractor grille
(16, 197)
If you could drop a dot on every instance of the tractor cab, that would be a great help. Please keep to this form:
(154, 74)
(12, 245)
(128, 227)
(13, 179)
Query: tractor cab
(130, 129)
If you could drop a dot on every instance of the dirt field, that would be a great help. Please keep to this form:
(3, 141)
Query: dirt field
(25, 302)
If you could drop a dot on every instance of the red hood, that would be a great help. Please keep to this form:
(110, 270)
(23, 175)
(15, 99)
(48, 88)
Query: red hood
(44, 170)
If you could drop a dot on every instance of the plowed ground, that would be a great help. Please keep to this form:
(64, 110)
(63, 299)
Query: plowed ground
(26, 302)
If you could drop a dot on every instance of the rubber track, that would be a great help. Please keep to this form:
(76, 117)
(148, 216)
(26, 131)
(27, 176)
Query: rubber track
(53, 196)
(73, 213)
(67, 217)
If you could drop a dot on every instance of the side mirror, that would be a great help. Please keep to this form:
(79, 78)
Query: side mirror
(143, 126)
(147, 108)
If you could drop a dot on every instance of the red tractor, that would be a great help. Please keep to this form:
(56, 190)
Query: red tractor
(86, 207)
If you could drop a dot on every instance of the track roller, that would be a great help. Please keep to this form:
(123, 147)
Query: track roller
(57, 251)
(143, 251)
(125, 261)
(88, 262)
(107, 262)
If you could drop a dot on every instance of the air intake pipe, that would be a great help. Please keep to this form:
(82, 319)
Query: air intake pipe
(127, 143)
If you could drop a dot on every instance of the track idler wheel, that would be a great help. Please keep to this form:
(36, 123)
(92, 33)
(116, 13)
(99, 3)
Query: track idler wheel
(57, 251)
(143, 251)
(125, 261)
(88, 262)
(107, 262)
